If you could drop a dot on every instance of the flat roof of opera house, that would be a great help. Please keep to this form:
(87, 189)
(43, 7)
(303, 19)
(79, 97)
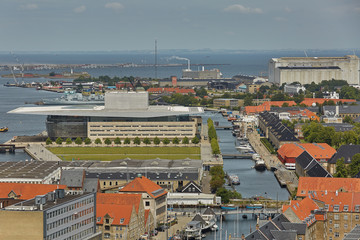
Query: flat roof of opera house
(101, 111)
(117, 104)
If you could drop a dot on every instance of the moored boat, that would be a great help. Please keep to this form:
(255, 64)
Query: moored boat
(260, 165)
(234, 180)
(254, 206)
(4, 129)
(228, 207)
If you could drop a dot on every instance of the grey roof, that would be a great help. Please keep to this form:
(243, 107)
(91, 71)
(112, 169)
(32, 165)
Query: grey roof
(191, 183)
(152, 175)
(209, 211)
(299, 227)
(346, 152)
(199, 219)
(343, 109)
(266, 230)
(312, 167)
(354, 234)
(72, 177)
(101, 111)
(309, 67)
(90, 185)
(284, 235)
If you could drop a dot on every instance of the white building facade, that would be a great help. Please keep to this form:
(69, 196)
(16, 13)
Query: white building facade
(306, 70)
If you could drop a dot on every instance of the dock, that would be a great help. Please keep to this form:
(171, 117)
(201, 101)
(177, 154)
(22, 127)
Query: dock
(9, 148)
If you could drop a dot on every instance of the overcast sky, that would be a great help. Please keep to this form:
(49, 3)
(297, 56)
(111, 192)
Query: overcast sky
(81, 25)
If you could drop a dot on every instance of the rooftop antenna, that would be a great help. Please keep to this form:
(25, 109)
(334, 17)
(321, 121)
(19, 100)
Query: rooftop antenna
(155, 59)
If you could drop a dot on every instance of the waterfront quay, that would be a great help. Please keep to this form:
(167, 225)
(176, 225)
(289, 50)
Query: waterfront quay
(285, 177)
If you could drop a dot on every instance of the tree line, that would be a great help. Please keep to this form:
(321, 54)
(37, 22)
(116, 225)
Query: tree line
(118, 141)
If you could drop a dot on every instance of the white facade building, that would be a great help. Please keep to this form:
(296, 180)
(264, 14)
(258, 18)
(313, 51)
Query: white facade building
(306, 70)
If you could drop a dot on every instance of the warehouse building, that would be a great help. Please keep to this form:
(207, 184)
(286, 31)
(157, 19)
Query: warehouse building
(306, 70)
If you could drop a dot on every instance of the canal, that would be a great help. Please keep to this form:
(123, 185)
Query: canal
(252, 182)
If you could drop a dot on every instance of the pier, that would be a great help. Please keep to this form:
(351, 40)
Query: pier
(9, 148)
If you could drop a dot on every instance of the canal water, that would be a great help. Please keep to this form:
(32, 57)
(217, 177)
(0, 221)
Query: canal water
(252, 183)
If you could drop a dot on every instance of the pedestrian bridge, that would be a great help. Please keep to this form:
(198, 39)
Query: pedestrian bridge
(265, 211)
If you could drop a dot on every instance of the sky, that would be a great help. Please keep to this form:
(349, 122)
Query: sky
(101, 25)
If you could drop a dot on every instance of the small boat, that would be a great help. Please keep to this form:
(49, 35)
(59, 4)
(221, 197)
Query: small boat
(229, 207)
(234, 180)
(214, 228)
(254, 206)
(4, 129)
(260, 165)
(244, 148)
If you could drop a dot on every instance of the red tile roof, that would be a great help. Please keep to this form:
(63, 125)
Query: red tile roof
(27, 190)
(310, 101)
(302, 209)
(147, 212)
(121, 214)
(349, 199)
(119, 199)
(266, 106)
(142, 185)
(319, 184)
(279, 103)
(317, 150)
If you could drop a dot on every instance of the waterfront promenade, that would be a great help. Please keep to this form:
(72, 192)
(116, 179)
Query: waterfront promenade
(286, 178)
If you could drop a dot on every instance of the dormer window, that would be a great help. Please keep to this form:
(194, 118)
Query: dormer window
(98, 219)
(326, 206)
(346, 208)
(336, 208)
(122, 220)
(357, 208)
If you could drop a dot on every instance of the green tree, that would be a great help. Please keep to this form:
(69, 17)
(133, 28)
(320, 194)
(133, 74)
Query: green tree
(98, 141)
(217, 171)
(147, 141)
(48, 141)
(216, 182)
(248, 101)
(195, 140)
(354, 166)
(175, 141)
(215, 146)
(285, 104)
(156, 141)
(347, 119)
(127, 141)
(87, 141)
(137, 141)
(68, 141)
(117, 141)
(107, 141)
(78, 141)
(59, 140)
(166, 141)
(185, 140)
(341, 169)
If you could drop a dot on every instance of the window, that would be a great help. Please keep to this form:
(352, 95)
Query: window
(326, 207)
(107, 235)
(345, 226)
(346, 208)
(107, 228)
(330, 230)
(357, 208)
(356, 217)
(107, 220)
(147, 203)
(336, 217)
(336, 225)
(122, 220)
(345, 217)
(336, 208)
(337, 234)
(330, 221)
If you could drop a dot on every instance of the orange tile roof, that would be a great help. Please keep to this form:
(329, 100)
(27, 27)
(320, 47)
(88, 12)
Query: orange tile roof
(121, 214)
(257, 109)
(341, 199)
(303, 208)
(143, 184)
(319, 184)
(317, 150)
(310, 101)
(119, 199)
(27, 190)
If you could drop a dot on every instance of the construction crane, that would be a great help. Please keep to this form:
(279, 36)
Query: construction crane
(21, 64)
(12, 71)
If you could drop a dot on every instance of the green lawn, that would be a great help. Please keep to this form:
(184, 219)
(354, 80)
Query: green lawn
(115, 153)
